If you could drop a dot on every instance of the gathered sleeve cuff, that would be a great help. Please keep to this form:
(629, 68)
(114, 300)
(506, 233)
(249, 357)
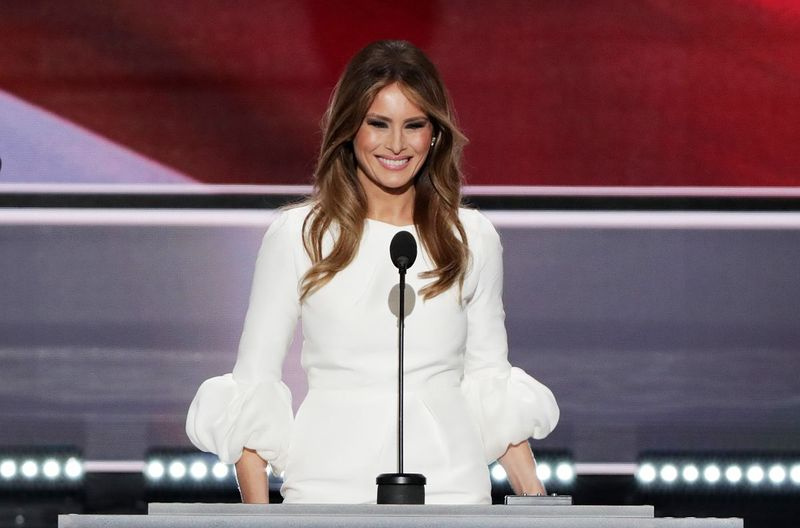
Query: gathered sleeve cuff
(509, 408)
(227, 415)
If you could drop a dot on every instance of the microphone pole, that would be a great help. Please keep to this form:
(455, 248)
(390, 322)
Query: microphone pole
(401, 487)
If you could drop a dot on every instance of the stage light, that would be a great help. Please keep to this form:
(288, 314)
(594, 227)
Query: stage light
(668, 473)
(690, 473)
(564, 472)
(712, 473)
(155, 470)
(647, 473)
(34, 469)
(198, 470)
(8, 469)
(733, 474)
(186, 474)
(177, 470)
(544, 472)
(498, 473)
(73, 468)
(220, 471)
(755, 474)
(51, 468)
(776, 474)
(29, 469)
(794, 474)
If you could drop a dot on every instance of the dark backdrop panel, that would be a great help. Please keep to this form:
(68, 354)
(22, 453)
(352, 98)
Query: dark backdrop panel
(649, 338)
(579, 93)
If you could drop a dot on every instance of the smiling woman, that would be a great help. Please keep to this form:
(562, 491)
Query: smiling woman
(389, 161)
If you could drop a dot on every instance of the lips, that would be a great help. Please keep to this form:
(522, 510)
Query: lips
(393, 163)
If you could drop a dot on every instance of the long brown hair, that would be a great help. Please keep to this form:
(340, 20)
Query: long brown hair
(339, 200)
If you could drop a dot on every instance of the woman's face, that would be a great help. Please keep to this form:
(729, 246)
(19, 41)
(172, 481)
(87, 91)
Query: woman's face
(392, 142)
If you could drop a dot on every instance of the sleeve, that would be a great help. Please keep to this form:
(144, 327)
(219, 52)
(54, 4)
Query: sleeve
(251, 407)
(508, 405)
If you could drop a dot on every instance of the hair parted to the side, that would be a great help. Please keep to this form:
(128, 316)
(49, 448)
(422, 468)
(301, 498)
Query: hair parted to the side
(338, 200)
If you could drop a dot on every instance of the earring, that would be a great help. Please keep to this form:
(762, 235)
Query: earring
(433, 141)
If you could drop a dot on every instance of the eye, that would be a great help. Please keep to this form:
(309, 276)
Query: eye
(417, 125)
(377, 123)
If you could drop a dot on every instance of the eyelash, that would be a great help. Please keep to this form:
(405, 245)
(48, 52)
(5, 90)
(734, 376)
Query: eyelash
(381, 124)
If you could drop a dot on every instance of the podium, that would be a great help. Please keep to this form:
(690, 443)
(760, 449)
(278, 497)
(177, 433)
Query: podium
(178, 515)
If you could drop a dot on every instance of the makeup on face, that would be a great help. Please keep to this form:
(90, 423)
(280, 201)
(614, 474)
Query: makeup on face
(393, 141)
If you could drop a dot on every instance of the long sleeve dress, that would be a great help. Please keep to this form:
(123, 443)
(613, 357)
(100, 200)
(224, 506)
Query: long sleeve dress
(464, 403)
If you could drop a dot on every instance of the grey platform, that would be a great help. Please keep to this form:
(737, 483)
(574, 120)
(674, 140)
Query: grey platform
(384, 516)
(373, 510)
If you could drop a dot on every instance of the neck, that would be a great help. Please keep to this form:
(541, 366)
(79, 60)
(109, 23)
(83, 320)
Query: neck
(393, 207)
(398, 211)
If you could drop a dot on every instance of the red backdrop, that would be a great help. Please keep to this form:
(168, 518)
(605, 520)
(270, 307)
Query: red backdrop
(647, 92)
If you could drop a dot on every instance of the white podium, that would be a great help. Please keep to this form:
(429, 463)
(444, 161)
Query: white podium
(177, 515)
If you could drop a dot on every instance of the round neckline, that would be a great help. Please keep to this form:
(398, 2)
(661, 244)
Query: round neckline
(387, 224)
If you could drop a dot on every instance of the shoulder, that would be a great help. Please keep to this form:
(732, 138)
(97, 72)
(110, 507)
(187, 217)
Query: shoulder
(480, 230)
(289, 220)
(286, 229)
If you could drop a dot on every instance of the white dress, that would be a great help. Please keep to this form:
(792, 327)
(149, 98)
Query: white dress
(464, 403)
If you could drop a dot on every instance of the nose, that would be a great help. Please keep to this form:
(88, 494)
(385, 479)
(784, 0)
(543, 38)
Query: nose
(396, 141)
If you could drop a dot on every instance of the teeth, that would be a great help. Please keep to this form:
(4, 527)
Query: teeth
(394, 163)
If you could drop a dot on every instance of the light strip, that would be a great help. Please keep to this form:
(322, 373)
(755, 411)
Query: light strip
(114, 466)
(605, 468)
(501, 219)
(137, 466)
(469, 190)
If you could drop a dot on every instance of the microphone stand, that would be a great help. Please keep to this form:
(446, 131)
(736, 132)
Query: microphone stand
(400, 487)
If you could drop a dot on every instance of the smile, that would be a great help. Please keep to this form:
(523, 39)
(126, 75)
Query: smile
(393, 164)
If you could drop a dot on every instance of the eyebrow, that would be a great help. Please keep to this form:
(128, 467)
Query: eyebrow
(417, 118)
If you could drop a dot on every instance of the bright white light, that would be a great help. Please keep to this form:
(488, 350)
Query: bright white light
(564, 472)
(29, 469)
(8, 469)
(269, 470)
(669, 473)
(776, 474)
(544, 472)
(177, 470)
(794, 473)
(733, 474)
(73, 468)
(155, 470)
(51, 468)
(755, 474)
(690, 473)
(712, 474)
(498, 473)
(219, 470)
(198, 470)
(647, 473)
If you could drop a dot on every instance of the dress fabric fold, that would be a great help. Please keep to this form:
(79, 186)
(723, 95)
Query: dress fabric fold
(226, 416)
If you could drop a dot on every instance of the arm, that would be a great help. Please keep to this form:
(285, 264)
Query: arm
(251, 474)
(508, 405)
(245, 417)
(520, 466)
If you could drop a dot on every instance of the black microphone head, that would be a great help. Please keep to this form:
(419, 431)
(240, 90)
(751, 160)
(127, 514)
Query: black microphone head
(403, 250)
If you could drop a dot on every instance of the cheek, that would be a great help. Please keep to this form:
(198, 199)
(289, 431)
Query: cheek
(365, 141)
(421, 143)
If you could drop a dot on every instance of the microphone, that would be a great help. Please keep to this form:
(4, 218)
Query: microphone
(400, 487)
(403, 250)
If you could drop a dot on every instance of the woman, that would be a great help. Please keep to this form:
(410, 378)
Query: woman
(389, 161)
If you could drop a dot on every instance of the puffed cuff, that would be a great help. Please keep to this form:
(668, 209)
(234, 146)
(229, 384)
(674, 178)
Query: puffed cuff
(226, 416)
(509, 408)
